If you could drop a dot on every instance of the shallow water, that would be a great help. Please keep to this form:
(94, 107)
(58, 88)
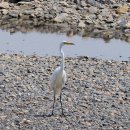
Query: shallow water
(48, 44)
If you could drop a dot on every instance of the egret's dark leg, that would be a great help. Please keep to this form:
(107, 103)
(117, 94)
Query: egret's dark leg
(101, 2)
(53, 104)
(61, 103)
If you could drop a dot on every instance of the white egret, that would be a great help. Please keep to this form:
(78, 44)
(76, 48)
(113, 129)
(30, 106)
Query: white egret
(58, 77)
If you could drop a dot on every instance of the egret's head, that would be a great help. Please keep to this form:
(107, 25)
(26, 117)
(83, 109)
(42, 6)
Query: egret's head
(67, 43)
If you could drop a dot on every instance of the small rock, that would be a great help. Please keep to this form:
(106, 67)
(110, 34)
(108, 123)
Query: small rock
(83, 3)
(120, 100)
(3, 117)
(105, 12)
(93, 10)
(100, 17)
(12, 30)
(123, 89)
(65, 4)
(127, 25)
(25, 121)
(110, 19)
(69, 10)
(60, 18)
(38, 10)
(88, 123)
(77, 1)
(122, 22)
(70, 33)
(81, 24)
(128, 38)
(89, 21)
(5, 11)
(13, 14)
(107, 35)
(121, 128)
(4, 5)
(122, 9)
(91, 16)
(24, 17)
(28, 12)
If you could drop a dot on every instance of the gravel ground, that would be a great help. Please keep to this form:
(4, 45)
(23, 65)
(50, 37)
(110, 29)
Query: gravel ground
(95, 96)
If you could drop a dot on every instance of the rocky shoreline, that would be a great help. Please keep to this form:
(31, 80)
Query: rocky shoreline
(96, 95)
(89, 18)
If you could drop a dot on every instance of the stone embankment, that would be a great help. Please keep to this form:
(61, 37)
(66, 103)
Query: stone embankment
(91, 18)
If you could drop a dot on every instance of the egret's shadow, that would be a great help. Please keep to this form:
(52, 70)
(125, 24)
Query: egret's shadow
(42, 115)
(51, 115)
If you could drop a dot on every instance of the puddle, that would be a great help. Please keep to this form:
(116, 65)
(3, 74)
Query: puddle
(48, 44)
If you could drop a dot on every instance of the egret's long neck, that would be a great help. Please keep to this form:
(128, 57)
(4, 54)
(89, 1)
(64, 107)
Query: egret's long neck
(62, 55)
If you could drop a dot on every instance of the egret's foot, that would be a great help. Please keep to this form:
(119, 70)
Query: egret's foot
(52, 113)
(63, 114)
(49, 115)
(41, 115)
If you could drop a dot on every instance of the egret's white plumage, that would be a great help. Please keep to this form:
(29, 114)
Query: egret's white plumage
(58, 77)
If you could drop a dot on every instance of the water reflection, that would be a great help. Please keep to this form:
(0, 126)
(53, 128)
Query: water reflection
(14, 25)
(48, 44)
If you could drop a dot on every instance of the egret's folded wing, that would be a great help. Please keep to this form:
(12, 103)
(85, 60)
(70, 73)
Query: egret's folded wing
(53, 78)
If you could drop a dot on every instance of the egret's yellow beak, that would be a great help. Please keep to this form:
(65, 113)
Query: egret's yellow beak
(68, 43)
